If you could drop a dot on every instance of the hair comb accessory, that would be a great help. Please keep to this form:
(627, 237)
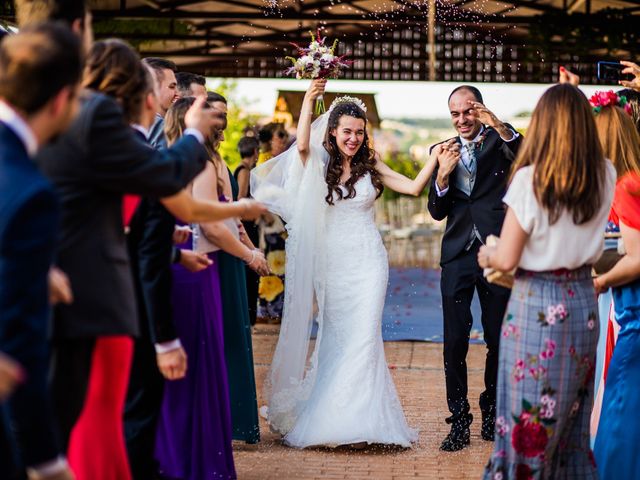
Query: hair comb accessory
(347, 99)
(602, 99)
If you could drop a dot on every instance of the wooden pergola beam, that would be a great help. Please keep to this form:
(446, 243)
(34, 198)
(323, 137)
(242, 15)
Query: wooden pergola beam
(455, 16)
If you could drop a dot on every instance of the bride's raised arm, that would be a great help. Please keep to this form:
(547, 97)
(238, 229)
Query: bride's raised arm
(303, 134)
(401, 184)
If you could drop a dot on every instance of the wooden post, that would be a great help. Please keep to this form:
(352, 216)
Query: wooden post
(431, 34)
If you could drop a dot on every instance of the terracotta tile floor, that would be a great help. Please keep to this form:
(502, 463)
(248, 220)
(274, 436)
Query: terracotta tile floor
(417, 371)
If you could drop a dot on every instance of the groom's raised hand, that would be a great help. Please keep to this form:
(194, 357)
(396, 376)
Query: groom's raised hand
(448, 155)
(487, 117)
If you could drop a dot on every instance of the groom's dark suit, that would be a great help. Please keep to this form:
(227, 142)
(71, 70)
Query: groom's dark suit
(482, 206)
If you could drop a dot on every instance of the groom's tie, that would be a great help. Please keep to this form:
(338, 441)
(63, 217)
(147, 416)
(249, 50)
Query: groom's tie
(471, 166)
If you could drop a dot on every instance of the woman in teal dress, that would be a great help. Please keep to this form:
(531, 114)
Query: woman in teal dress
(236, 251)
(619, 427)
(237, 343)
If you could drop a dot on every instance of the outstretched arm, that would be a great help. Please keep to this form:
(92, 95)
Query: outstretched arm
(306, 113)
(401, 184)
(217, 232)
(183, 206)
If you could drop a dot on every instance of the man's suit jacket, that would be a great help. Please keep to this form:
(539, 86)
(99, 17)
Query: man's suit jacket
(157, 138)
(150, 242)
(29, 213)
(97, 160)
(484, 206)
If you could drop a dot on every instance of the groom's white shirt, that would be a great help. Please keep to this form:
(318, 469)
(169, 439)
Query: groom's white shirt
(464, 153)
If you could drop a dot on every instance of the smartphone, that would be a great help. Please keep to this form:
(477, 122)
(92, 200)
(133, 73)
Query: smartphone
(612, 72)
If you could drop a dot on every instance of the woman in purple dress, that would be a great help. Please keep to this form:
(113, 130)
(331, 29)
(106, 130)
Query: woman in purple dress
(194, 430)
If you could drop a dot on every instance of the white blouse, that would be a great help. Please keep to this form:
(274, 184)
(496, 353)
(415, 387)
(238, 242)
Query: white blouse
(563, 244)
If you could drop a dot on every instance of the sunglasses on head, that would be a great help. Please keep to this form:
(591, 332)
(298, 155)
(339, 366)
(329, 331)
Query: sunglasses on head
(282, 134)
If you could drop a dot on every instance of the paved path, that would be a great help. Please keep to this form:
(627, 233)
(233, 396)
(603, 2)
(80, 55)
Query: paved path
(417, 371)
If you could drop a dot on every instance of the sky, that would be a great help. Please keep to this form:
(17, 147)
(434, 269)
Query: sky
(402, 99)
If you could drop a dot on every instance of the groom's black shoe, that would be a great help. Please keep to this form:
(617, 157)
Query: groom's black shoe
(488, 426)
(459, 436)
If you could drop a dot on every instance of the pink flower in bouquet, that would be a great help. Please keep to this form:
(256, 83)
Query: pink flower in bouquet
(318, 60)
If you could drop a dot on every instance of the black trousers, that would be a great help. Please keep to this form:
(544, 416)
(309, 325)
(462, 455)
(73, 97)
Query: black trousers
(71, 369)
(144, 400)
(10, 466)
(460, 278)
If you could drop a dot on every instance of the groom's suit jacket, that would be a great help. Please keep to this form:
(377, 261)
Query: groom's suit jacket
(484, 206)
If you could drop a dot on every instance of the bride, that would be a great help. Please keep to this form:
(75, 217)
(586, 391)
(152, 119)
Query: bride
(325, 187)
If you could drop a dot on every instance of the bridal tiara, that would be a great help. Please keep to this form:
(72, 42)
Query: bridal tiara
(347, 99)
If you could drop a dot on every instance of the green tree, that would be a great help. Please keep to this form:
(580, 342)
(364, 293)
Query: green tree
(237, 121)
(402, 163)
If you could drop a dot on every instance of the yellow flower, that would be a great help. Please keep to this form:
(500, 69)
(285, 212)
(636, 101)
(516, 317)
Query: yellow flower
(276, 261)
(270, 287)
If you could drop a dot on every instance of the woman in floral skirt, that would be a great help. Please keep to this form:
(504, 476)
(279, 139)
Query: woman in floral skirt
(558, 200)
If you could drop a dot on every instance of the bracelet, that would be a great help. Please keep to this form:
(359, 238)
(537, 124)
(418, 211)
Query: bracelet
(253, 258)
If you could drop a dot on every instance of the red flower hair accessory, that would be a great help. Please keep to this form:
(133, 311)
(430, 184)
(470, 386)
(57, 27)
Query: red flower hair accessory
(602, 99)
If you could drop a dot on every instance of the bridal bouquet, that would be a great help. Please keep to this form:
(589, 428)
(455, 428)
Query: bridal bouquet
(317, 61)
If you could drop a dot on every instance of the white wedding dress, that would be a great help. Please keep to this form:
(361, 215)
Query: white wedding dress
(353, 398)
(336, 273)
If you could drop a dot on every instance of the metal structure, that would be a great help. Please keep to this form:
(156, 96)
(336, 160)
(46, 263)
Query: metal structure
(458, 40)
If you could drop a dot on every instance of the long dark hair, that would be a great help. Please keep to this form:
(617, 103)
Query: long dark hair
(562, 145)
(363, 162)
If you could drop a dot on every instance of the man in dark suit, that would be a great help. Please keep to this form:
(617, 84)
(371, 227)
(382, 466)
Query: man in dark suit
(468, 193)
(158, 352)
(191, 84)
(91, 166)
(47, 59)
(166, 89)
(99, 159)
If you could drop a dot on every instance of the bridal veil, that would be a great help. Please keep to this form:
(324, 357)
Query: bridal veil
(296, 193)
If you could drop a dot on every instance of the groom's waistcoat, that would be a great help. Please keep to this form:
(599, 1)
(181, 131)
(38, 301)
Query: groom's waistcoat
(475, 194)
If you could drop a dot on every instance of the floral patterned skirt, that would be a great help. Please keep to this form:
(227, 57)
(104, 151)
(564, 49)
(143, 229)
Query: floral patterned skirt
(545, 378)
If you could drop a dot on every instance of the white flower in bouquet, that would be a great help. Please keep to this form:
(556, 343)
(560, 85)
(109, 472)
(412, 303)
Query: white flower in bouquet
(317, 61)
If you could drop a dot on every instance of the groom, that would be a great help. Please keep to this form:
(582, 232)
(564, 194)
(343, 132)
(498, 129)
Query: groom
(467, 191)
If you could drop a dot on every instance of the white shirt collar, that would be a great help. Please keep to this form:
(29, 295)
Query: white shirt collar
(464, 141)
(141, 129)
(16, 123)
